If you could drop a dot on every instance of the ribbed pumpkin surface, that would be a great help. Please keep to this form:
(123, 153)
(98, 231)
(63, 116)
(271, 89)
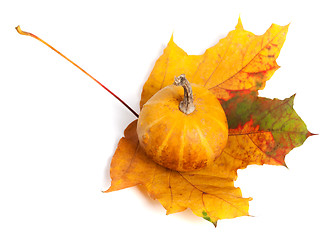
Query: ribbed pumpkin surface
(179, 141)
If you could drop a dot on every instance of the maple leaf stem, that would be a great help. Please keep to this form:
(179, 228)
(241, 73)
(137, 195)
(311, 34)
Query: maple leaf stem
(186, 106)
(18, 28)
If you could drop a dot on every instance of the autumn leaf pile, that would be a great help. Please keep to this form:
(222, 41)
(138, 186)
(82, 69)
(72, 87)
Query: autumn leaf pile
(261, 130)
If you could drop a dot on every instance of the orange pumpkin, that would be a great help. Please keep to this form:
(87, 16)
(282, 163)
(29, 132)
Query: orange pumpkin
(180, 130)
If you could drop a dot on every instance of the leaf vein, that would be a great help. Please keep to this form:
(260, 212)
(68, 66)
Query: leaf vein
(276, 35)
(214, 195)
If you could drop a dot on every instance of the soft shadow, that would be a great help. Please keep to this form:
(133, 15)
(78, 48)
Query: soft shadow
(106, 174)
(121, 121)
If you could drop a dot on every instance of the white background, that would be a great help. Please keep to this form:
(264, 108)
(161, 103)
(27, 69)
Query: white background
(59, 130)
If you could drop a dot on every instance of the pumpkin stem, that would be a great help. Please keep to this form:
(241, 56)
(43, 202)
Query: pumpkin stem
(186, 105)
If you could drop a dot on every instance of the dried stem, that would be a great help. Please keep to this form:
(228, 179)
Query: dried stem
(39, 39)
(186, 105)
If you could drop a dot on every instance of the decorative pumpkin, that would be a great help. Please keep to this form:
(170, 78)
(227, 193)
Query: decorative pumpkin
(183, 131)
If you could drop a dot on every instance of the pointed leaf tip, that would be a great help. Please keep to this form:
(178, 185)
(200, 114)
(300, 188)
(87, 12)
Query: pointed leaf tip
(291, 99)
(309, 134)
(172, 37)
(171, 40)
(239, 25)
(284, 165)
(206, 217)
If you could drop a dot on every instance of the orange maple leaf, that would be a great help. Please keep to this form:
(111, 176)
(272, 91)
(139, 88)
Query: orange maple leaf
(209, 192)
(261, 130)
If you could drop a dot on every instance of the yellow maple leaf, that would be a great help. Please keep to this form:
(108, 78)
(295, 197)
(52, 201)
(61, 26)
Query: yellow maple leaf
(240, 61)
